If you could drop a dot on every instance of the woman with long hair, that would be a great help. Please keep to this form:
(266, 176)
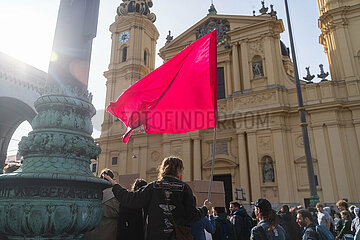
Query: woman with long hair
(345, 232)
(169, 201)
(268, 222)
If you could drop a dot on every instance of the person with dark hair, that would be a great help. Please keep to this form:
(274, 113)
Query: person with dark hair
(131, 223)
(288, 222)
(169, 201)
(198, 228)
(346, 228)
(240, 220)
(268, 227)
(305, 220)
(342, 205)
(224, 229)
(107, 229)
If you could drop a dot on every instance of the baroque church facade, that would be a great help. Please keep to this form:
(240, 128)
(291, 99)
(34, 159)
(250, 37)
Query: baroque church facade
(259, 145)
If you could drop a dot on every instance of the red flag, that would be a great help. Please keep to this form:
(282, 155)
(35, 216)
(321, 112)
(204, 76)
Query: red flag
(180, 96)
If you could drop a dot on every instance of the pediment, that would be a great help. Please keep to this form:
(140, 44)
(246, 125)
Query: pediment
(189, 36)
(303, 160)
(220, 163)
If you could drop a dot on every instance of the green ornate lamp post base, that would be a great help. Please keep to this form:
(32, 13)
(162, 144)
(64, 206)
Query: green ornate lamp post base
(314, 200)
(54, 195)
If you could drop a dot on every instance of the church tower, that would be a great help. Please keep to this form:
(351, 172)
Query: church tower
(340, 23)
(134, 37)
(133, 49)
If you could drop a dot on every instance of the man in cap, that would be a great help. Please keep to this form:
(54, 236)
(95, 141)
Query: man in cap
(268, 227)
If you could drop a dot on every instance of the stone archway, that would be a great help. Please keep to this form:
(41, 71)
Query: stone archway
(20, 84)
(12, 113)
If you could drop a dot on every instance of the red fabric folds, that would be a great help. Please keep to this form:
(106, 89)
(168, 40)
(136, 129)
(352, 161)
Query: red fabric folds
(178, 97)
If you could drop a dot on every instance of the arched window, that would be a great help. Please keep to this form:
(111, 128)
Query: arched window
(145, 58)
(220, 83)
(124, 54)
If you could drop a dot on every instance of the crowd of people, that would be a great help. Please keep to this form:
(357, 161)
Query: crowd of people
(166, 209)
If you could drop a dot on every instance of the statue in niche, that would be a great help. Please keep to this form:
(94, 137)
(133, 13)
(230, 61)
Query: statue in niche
(257, 68)
(268, 171)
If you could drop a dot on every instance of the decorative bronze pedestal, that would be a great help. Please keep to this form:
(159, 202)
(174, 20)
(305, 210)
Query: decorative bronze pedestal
(54, 195)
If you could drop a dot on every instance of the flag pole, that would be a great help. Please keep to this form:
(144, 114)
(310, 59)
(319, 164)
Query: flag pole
(314, 197)
(213, 165)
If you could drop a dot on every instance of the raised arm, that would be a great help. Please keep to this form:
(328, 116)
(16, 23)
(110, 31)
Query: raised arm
(137, 199)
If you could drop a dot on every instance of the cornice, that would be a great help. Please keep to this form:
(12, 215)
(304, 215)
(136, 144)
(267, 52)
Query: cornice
(21, 74)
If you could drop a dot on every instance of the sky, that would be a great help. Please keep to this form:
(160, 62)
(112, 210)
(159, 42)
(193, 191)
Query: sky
(27, 29)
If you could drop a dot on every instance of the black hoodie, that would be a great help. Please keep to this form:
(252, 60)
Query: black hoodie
(151, 197)
(288, 222)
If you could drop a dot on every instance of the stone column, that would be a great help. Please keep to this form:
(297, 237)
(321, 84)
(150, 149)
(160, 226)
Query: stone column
(75, 29)
(338, 154)
(243, 166)
(143, 161)
(123, 162)
(135, 159)
(245, 65)
(197, 160)
(187, 160)
(269, 61)
(228, 84)
(254, 166)
(236, 68)
(283, 168)
(326, 168)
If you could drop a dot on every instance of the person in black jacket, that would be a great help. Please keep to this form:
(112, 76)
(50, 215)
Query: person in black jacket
(288, 222)
(304, 219)
(168, 199)
(224, 228)
(241, 221)
(131, 222)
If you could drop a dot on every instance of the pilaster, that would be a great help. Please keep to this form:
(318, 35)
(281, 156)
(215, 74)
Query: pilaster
(143, 161)
(283, 172)
(245, 65)
(187, 160)
(253, 166)
(243, 166)
(197, 160)
(338, 154)
(270, 68)
(326, 168)
(236, 67)
(123, 163)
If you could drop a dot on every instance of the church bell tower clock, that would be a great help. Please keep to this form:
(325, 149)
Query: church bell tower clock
(133, 36)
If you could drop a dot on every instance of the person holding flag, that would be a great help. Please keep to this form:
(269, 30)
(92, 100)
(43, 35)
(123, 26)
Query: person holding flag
(178, 97)
(169, 201)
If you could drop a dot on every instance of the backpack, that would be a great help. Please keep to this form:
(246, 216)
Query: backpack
(324, 233)
(226, 231)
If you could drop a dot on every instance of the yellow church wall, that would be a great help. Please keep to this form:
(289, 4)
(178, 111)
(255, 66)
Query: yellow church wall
(258, 119)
